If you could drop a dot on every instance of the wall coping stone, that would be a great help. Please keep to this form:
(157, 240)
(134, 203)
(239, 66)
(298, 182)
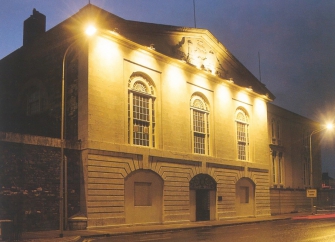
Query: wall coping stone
(36, 140)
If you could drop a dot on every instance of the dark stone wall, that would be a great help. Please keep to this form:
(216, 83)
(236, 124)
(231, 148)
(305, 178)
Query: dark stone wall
(29, 185)
(37, 66)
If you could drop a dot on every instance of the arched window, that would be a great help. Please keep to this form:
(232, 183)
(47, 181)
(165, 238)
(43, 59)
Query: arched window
(200, 125)
(275, 132)
(278, 131)
(242, 134)
(273, 128)
(141, 111)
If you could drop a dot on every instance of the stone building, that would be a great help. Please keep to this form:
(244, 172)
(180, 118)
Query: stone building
(290, 162)
(169, 125)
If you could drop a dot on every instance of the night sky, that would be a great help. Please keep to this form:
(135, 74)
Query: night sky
(288, 44)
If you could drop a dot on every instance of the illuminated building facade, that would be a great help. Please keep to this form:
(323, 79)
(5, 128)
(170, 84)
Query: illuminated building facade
(170, 126)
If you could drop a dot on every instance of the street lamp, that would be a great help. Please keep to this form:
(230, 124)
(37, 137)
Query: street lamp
(90, 30)
(327, 127)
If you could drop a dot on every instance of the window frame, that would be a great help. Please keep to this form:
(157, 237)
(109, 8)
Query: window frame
(242, 134)
(277, 168)
(141, 88)
(199, 108)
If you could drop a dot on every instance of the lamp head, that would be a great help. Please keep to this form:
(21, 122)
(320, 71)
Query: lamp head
(90, 30)
(330, 126)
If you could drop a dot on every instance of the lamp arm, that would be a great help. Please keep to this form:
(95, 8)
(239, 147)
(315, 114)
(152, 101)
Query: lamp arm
(61, 189)
(311, 155)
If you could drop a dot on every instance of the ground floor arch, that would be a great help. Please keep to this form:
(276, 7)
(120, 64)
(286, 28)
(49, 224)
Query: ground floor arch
(203, 198)
(143, 197)
(245, 197)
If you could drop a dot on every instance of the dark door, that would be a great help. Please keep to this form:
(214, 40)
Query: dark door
(202, 205)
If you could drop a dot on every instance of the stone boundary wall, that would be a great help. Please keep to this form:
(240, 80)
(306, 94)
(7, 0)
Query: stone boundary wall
(29, 180)
(36, 140)
(289, 201)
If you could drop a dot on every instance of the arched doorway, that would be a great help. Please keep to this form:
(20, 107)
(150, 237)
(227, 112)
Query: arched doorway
(245, 197)
(203, 198)
(143, 197)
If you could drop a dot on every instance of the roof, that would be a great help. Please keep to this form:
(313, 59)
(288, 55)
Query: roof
(195, 46)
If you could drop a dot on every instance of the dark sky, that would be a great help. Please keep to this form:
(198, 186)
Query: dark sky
(295, 40)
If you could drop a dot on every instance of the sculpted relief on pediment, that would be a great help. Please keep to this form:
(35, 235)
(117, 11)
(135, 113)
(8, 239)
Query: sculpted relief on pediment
(198, 53)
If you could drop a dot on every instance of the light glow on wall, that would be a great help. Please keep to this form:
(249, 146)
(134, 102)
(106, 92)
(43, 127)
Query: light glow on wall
(175, 76)
(224, 94)
(105, 50)
(144, 56)
(243, 96)
(260, 107)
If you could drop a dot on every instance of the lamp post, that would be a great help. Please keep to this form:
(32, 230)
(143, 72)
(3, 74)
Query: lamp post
(328, 127)
(90, 30)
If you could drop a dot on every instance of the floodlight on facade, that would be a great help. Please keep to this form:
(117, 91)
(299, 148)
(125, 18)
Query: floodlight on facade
(230, 80)
(249, 88)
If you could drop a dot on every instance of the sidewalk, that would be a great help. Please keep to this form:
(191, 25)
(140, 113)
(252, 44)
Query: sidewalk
(80, 235)
(315, 216)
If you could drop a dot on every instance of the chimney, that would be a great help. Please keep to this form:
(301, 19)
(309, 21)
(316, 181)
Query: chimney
(33, 26)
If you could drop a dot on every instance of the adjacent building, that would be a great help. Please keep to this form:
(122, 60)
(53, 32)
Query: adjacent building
(291, 160)
(162, 123)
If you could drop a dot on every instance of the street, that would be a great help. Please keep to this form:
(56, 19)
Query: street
(272, 231)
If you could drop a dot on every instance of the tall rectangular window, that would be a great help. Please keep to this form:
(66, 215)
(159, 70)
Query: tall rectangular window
(280, 169)
(200, 125)
(242, 140)
(199, 132)
(242, 134)
(274, 170)
(277, 168)
(273, 123)
(141, 112)
(141, 120)
(278, 131)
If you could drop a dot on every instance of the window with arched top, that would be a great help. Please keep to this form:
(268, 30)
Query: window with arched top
(273, 130)
(141, 111)
(276, 132)
(200, 125)
(242, 134)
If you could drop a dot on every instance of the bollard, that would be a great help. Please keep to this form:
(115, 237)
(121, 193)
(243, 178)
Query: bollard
(314, 210)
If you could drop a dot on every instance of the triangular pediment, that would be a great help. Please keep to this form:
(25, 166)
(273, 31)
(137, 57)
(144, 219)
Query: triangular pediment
(197, 47)
(198, 52)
